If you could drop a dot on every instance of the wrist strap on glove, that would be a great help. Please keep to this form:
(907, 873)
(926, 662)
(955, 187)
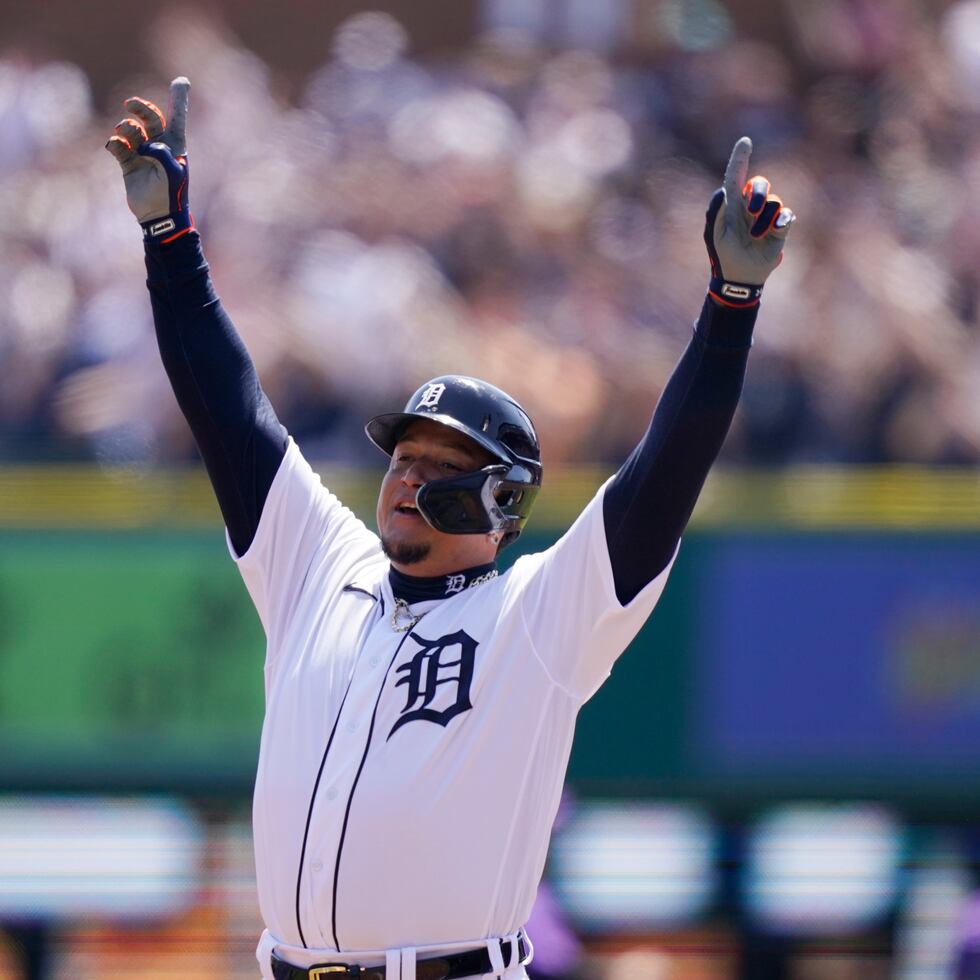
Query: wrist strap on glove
(162, 231)
(740, 295)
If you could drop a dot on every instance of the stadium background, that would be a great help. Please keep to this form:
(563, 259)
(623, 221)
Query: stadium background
(781, 778)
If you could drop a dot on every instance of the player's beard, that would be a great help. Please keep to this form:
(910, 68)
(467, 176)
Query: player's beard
(406, 553)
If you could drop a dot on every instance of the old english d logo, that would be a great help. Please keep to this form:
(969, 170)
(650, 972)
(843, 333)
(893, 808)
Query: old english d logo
(448, 660)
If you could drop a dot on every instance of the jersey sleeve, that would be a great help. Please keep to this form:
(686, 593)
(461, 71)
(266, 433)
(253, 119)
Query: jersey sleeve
(575, 622)
(305, 537)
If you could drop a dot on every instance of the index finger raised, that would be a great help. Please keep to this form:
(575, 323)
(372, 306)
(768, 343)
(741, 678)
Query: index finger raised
(737, 171)
(176, 136)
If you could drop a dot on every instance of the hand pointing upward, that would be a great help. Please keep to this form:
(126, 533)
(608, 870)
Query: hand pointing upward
(151, 149)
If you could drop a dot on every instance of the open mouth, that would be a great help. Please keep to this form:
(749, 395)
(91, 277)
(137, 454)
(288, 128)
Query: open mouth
(408, 509)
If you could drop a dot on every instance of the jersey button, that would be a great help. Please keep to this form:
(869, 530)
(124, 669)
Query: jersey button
(317, 865)
(373, 662)
(352, 726)
(331, 794)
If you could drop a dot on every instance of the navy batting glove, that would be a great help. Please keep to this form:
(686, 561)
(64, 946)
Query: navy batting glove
(179, 218)
(744, 231)
(150, 148)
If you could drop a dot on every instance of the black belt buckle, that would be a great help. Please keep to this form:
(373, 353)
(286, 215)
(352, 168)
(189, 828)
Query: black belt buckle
(333, 971)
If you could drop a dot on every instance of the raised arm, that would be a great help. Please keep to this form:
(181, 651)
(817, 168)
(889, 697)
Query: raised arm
(213, 378)
(650, 500)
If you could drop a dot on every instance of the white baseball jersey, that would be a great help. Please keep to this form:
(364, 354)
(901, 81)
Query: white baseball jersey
(408, 781)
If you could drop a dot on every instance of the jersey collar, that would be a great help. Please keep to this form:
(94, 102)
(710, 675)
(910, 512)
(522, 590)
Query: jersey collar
(416, 588)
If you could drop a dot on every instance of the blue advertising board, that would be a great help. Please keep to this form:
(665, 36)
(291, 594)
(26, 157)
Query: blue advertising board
(856, 653)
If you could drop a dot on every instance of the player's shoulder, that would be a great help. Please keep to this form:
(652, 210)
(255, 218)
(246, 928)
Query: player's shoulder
(513, 582)
(585, 532)
(305, 494)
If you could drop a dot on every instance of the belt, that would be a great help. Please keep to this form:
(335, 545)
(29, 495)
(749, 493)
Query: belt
(471, 963)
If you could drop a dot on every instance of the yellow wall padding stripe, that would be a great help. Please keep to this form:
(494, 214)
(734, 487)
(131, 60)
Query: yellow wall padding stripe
(802, 497)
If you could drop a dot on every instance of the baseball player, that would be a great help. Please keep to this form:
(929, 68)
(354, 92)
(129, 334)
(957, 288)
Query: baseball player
(419, 705)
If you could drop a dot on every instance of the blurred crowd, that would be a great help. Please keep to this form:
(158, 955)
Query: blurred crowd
(523, 211)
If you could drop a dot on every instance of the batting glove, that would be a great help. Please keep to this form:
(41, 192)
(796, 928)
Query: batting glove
(745, 229)
(151, 150)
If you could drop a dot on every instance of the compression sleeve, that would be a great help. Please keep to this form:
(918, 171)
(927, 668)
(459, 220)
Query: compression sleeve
(649, 501)
(236, 430)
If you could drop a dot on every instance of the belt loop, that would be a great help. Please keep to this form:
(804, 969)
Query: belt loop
(496, 957)
(393, 964)
(511, 955)
(408, 963)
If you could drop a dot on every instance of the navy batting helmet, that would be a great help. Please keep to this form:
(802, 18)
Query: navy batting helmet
(497, 497)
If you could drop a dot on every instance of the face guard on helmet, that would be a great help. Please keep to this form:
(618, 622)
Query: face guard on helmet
(497, 497)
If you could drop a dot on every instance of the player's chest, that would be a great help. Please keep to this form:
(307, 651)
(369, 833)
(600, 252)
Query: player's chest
(397, 679)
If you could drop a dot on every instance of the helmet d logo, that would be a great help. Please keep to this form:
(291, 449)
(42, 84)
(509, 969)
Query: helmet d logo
(430, 397)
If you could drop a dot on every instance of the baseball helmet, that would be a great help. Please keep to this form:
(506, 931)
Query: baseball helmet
(497, 497)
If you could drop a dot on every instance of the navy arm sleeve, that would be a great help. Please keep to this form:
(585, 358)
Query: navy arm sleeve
(649, 502)
(234, 425)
